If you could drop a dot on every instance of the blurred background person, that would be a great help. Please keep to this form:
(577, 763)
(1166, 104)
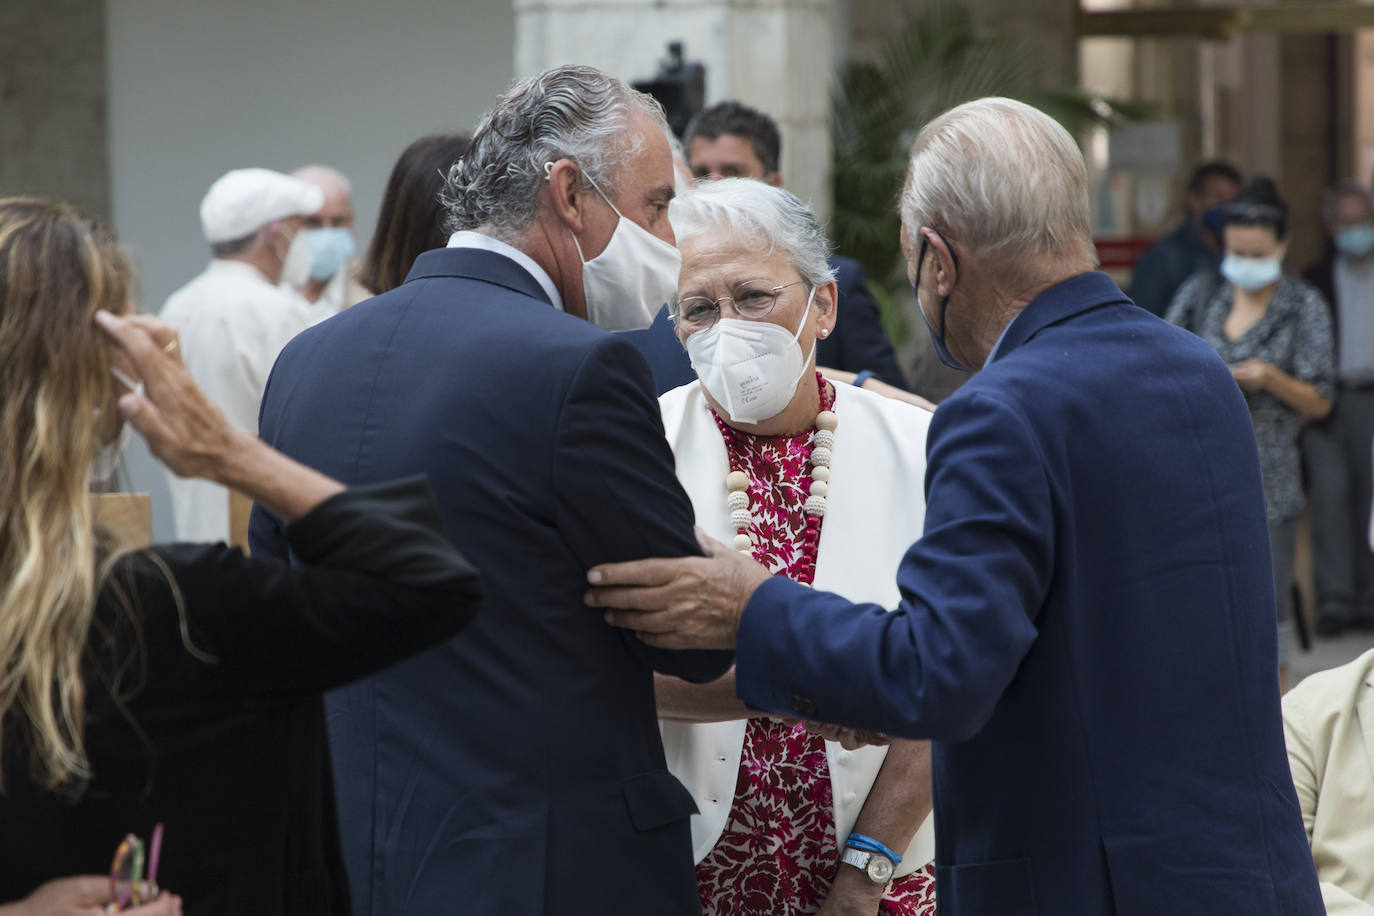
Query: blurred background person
(331, 286)
(1274, 332)
(181, 683)
(1328, 722)
(233, 319)
(1337, 449)
(1194, 246)
(771, 477)
(412, 218)
(732, 140)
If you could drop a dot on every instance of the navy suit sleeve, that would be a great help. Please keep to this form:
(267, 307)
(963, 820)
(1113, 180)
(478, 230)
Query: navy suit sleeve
(971, 589)
(266, 534)
(618, 495)
(859, 341)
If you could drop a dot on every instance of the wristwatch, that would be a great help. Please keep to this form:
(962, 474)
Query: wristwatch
(877, 866)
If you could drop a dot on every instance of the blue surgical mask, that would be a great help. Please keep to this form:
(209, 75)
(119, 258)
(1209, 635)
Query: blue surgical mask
(936, 337)
(1251, 274)
(1355, 241)
(330, 248)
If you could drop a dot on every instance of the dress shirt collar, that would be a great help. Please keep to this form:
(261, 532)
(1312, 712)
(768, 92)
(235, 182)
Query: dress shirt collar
(466, 238)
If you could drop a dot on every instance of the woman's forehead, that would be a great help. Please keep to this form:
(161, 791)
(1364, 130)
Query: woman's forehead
(721, 252)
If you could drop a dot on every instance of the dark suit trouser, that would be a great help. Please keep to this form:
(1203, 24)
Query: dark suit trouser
(1340, 476)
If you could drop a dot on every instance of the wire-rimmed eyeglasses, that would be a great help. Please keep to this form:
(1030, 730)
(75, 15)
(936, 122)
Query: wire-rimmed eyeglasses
(751, 299)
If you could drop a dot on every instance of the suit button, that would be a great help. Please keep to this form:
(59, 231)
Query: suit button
(803, 706)
(851, 797)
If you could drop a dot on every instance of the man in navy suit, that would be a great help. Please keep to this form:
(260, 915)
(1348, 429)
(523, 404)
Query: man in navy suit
(1084, 628)
(518, 768)
(731, 140)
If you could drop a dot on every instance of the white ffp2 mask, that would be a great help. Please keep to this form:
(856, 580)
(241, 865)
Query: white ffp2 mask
(629, 282)
(751, 368)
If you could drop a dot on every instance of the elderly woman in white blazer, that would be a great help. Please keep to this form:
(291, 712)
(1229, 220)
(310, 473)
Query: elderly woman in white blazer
(822, 482)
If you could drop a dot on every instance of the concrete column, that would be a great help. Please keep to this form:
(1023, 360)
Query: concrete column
(53, 136)
(776, 55)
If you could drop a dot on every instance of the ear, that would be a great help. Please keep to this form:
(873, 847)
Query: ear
(827, 309)
(946, 273)
(565, 193)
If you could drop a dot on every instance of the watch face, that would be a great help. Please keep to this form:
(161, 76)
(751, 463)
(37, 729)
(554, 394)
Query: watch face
(880, 869)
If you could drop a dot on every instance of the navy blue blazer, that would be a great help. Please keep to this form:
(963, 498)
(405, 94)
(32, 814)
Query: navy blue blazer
(517, 768)
(857, 343)
(1086, 630)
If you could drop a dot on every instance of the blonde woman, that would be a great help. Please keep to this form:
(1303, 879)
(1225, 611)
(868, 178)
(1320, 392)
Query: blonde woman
(181, 684)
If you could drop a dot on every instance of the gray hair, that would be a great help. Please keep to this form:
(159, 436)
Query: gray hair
(1002, 178)
(754, 211)
(321, 175)
(570, 112)
(1346, 188)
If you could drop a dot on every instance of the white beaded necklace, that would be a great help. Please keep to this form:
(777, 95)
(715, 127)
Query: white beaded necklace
(737, 488)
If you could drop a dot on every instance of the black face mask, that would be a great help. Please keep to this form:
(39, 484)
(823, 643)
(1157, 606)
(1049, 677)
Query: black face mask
(936, 337)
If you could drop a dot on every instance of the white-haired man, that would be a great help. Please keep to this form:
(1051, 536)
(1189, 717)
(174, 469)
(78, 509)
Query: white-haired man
(1084, 626)
(518, 769)
(233, 318)
(331, 287)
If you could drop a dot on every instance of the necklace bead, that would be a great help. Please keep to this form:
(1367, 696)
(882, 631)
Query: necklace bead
(737, 484)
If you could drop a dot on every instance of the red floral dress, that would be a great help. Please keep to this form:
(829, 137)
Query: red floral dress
(778, 853)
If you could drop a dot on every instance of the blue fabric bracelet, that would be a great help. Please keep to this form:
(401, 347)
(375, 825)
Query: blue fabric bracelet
(863, 377)
(868, 844)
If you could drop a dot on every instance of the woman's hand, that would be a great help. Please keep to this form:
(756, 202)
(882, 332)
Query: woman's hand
(183, 429)
(84, 895)
(852, 894)
(1252, 374)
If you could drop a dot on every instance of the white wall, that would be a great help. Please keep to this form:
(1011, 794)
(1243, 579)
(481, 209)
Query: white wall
(197, 87)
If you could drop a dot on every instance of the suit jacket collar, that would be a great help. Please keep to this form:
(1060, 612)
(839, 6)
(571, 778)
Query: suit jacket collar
(1074, 296)
(477, 264)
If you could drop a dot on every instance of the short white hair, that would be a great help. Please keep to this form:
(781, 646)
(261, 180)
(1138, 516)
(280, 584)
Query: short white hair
(1003, 179)
(320, 175)
(756, 212)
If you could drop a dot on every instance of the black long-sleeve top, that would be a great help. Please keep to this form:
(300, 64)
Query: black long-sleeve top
(209, 718)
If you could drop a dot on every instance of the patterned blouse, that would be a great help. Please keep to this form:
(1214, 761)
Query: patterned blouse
(778, 853)
(1294, 336)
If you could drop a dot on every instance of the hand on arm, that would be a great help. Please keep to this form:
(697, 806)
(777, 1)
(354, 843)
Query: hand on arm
(192, 437)
(878, 386)
(688, 603)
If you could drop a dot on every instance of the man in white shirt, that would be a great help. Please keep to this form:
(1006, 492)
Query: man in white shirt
(331, 286)
(233, 319)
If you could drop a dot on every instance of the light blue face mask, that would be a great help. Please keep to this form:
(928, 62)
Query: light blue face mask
(1251, 274)
(330, 248)
(1355, 241)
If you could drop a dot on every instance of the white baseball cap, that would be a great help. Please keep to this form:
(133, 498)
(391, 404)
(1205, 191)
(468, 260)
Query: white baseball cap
(241, 202)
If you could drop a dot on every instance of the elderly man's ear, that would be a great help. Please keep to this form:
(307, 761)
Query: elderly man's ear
(564, 184)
